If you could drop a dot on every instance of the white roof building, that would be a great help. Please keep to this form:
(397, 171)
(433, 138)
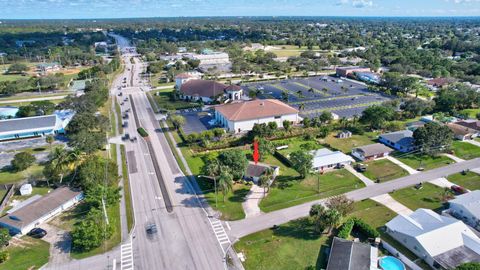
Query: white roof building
(440, 241)
(324, 159)
(466, 207)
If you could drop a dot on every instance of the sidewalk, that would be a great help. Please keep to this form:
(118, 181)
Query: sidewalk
(442, 182)
(456, 159)
(392, 204)
(252, 200)
(404, 166)
(476, 143)
(367, 181)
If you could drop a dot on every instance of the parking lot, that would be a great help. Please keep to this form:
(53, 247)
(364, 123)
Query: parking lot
(196, 121)
(313, 95)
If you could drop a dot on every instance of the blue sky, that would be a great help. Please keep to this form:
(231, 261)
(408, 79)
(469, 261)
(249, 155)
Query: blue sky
(55, 9)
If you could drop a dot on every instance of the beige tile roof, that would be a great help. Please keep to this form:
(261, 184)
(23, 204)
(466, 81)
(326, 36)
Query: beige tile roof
(255, 109)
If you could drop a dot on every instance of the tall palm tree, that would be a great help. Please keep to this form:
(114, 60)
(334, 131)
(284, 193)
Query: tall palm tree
(225, 182)
(265, 179)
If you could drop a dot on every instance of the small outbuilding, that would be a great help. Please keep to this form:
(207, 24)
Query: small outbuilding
(344, 134)
(26, 189)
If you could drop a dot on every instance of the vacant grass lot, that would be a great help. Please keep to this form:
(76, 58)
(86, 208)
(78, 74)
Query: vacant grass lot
(469, 181)
(384, 170)
(297, 143)
(32, 255)
(430, 197)
(465, 150)
(288, 190)
(346, 145)
(295, 245)
(163, 101)
(425, 161)
(10, 177)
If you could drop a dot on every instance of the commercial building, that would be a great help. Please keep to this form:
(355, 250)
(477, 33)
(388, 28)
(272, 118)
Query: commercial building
(36, 126)
(325, 159)
(400, 140)
(242, 116)
(24, 219)
(442, 242)
(207, 91)
(371, 151)
(466, 207)
(345, 71)
(350, 255)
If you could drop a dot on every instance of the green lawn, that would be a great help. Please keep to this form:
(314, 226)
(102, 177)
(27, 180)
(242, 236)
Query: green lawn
(384, 170)
(297, 143)
(295, 245)
(465, 150)
(430, 197)
(163, 101)
(126, 189)
(9, 177)
(472, 113)
(288, 190)
(32, 255)
(346, 145)
(427, 162)
(469, 181)
(12, 77)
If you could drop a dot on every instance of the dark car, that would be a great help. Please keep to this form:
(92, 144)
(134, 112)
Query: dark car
(37, 233)
(151, 228)
(459, 189)
(360, 167)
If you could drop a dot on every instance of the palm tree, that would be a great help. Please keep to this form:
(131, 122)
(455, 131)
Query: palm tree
(265, 179)
(301, 107)
(225, 181)
(332, 219)
(50, 139)
(343, 122)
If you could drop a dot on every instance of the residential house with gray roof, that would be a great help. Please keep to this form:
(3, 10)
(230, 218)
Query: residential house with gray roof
(399, 140)
(466, 207)
(346, 254)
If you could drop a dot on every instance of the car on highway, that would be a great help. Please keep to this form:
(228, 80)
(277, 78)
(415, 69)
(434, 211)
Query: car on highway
(151, 228)
(126, 137)
(37, 233)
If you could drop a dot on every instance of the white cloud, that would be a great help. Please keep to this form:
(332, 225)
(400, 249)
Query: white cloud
(355, 3)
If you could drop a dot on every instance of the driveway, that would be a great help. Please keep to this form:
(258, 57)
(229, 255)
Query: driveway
(404, 166)
(367, 181)
(60, 245)
(392, 204)
(252, 200)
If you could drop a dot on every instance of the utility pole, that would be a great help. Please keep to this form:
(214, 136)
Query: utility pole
(39, 87)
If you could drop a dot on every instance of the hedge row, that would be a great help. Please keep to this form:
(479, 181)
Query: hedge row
(358, 224)
(346, 229)
(282, 158)
(142, 132)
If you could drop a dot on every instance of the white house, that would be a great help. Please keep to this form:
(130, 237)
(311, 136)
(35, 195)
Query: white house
(242, 116)
(440, 241)
(325, 159)
(24, 219)
(466, 207)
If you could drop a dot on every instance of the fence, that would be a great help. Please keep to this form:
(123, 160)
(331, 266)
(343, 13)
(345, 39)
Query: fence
(7, 196)
(402, 257)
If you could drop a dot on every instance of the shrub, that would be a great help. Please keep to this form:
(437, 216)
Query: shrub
(365, 228)
(4, 256)
(142, 132)
(22, 161)
(346, 229)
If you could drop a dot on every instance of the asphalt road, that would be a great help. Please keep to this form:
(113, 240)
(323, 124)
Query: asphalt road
(251, 225)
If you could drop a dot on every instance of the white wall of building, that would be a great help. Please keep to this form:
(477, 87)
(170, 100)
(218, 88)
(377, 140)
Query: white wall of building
(242, 126)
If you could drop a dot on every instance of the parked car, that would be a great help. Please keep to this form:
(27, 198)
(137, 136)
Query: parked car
(359, 167)
(37, 233)
(458, 189)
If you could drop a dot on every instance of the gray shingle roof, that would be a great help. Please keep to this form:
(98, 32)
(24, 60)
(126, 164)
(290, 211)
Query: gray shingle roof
(374, 149)
(345, 254)
(403, 137)
(28, 123)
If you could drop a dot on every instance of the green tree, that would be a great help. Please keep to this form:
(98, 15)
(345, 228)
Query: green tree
(433, 138)
(301, 162)
(225, 182)
(325, 117)
(469, 266)
(21, 161)
(96, 171)
(340, 203)
(235, 160)
(375, 116)
(331, 219)
(91, 231)
(4, 237)
(50, 139)
(177, 120)
(265, 148)
(287, 125)
(17, 68)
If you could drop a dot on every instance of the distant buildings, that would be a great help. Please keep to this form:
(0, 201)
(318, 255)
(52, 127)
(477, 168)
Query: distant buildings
(461, 132)
(325, 159)
(36, 126)
(400, 140)
(371, 151)
(211, 61)
(242, 116)
(442, 242)
(345, 71)
(31, 215)
(438, 83)
(45, 67)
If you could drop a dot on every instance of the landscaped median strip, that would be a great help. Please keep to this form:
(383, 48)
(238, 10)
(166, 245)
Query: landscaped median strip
(326, 99)
(314, 89)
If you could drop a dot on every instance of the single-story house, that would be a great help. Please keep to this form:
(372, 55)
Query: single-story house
(415, 125)
(350, 255)
(36, 126)
(37, 212)
(470, 123)
(371, 151)
(208, 91)
(462, 133)
(325, 159)
(466, 207)
(44, 67)
(345, 71)
(242, 116)
(442, 242)
(438, 83)
(400, 140)
(369, 77)
(255, 171)
(344, 134)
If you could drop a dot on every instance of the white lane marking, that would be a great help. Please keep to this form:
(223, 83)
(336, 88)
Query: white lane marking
(228, 225)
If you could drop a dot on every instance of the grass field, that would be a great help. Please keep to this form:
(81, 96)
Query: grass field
(295, 245)
(346, 145)
(9, 177)
(469, 181)
(288, 190)
(126, 189)
(384, 170)
(472, 113)
(465, 150)
(297, 143)
(32, 255)
(425, 161)
(430, 197)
